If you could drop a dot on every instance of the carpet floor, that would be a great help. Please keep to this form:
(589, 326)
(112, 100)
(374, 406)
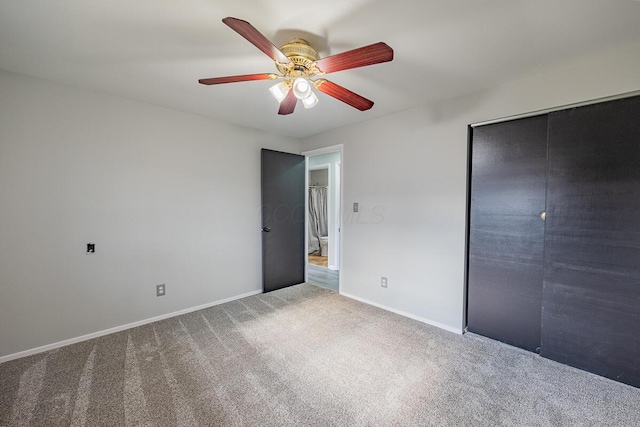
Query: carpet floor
(303, 356)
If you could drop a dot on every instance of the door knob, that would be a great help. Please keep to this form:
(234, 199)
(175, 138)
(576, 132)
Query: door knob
(543, 215)
(266, 229)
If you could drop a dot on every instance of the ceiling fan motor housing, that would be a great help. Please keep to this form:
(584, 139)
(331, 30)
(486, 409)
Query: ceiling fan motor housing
(301, 55)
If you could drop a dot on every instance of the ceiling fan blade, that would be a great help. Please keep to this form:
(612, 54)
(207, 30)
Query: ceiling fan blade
(255, 37)
(363, 56)
(234, 79)
(288, 104)
(343, 94)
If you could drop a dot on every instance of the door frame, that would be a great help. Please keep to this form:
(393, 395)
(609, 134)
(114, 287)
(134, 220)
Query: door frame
(339, 174)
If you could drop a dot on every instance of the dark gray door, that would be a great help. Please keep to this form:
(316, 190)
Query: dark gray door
(506, 234)
(591, 294)
(283, 196)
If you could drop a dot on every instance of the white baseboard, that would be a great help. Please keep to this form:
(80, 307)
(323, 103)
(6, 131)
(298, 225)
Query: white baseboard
(120, 328)
(405, 314)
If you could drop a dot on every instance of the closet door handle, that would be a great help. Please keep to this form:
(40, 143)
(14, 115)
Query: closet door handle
(543, 215)
(266, 229)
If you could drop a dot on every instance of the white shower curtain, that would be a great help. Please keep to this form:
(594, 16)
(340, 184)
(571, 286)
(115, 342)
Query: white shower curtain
(317, 217)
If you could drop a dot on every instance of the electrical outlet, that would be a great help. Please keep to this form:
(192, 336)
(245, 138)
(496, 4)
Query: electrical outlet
(383, 282)
(91, 248)
(356, 207)
(160, 290)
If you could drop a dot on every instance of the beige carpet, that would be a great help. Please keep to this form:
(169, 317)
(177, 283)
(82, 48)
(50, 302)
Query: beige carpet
(303, 356)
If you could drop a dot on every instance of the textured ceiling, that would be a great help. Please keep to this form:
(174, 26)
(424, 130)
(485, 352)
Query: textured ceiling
(156, 50)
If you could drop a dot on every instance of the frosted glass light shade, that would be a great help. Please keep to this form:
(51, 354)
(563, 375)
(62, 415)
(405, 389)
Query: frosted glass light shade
(301, 88)
(310, 101)
(279, 91)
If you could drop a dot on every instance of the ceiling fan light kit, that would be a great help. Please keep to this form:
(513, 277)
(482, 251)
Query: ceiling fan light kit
(298, 64)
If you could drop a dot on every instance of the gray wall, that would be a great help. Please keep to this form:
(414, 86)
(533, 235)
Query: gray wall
(173, 198)
(167, 197)
(408, 172)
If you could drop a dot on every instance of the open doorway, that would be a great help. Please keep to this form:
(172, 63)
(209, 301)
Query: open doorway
(324, 170)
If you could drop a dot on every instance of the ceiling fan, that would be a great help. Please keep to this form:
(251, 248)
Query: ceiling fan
(299, 64)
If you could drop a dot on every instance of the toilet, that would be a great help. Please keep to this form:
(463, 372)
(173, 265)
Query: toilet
(324, 244)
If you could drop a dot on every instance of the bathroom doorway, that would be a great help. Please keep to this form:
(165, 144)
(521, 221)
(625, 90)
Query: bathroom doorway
(324, 171)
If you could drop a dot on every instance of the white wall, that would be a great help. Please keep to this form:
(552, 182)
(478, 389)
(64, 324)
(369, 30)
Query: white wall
(408, 172)
(167, 197)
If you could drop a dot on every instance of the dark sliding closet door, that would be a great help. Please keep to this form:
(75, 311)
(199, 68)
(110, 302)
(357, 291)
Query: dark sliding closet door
(591, 294)
(506, 234)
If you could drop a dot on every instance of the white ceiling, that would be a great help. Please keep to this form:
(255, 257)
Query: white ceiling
(156, 50)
